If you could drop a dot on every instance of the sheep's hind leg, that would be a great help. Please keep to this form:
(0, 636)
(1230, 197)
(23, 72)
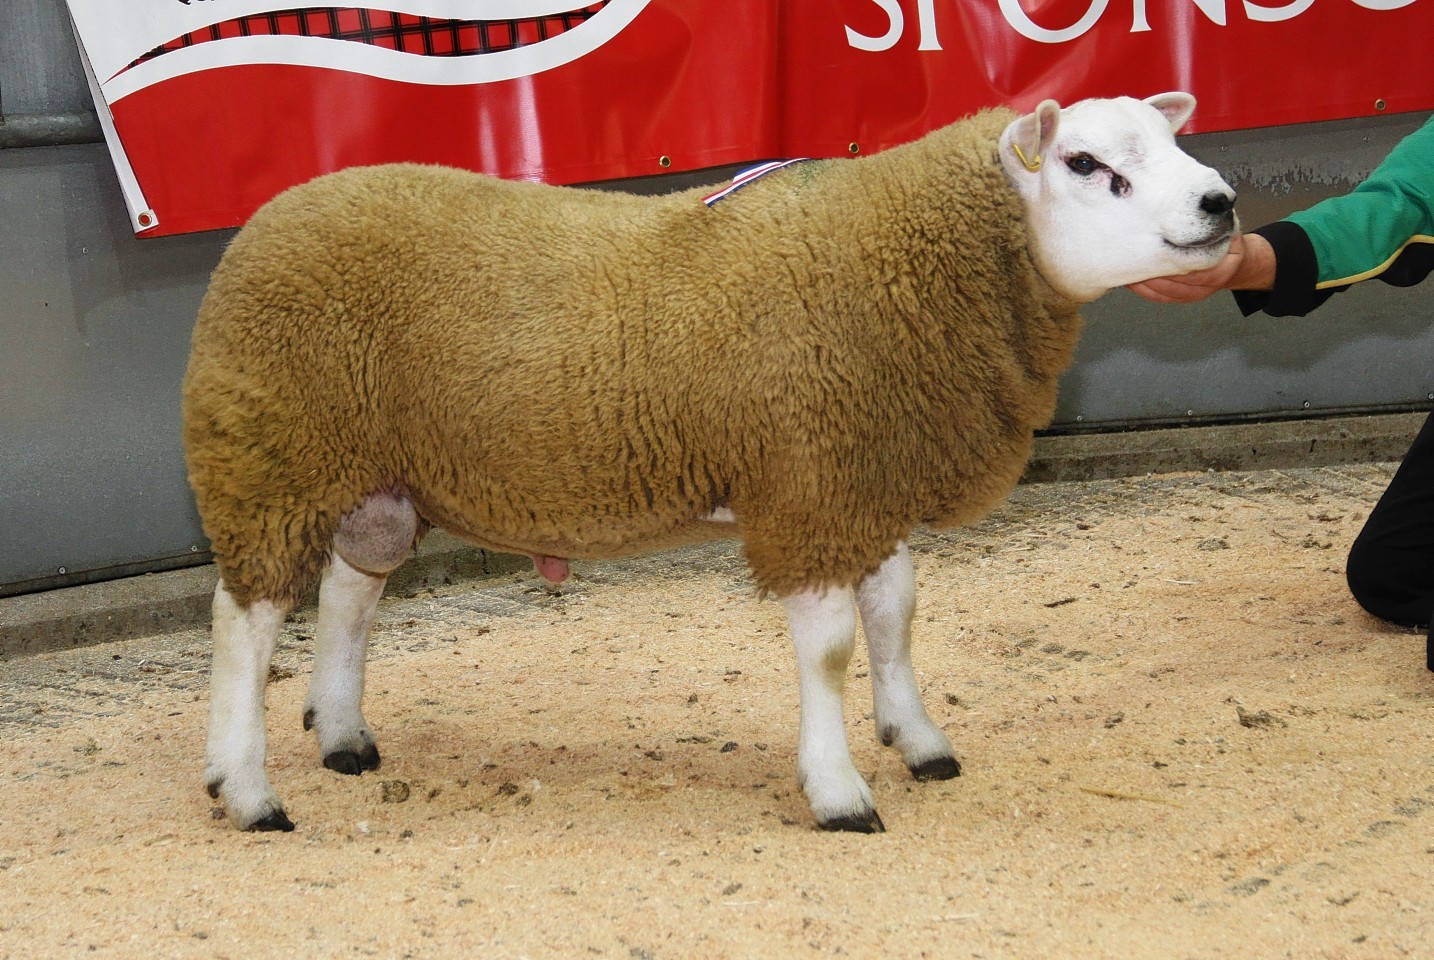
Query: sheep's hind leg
(372, 540)
(823, 627)
(244, 639)
(887, 600)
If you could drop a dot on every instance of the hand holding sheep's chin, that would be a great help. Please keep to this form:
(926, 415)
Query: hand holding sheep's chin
(1249, 265)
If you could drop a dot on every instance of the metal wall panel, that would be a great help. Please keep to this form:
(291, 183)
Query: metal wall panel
(94, 334)
(40, 72)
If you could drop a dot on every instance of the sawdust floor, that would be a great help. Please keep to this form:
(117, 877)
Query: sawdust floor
(1181, 739)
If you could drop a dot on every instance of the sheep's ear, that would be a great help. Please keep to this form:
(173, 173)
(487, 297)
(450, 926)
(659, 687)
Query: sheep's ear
(1029, 137)
(1177, 107)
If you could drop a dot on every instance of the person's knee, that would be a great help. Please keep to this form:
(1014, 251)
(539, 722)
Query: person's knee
(1387, 584)
(1364, 574)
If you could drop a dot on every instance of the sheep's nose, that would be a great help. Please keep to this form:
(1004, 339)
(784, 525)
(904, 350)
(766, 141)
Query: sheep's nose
(1217, 204)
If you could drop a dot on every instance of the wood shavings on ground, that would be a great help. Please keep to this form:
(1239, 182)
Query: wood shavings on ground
(609, 771)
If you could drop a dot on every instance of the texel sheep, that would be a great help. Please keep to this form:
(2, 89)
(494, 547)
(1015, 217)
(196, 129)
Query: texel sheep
(825, 359)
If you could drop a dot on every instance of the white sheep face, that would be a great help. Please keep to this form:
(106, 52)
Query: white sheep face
(1109, 197)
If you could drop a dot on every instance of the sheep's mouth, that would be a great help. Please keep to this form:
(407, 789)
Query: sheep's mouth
(1202, 246)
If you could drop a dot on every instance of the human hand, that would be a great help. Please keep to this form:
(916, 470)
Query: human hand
(1248, 265)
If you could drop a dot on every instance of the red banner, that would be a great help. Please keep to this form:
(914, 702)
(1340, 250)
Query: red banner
(216, 105)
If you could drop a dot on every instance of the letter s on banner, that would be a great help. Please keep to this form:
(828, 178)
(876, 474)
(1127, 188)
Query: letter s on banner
(1022, 24)
(926, 25)
(888, 40)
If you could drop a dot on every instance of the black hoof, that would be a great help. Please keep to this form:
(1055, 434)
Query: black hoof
(942, 768)
(353, 764)
(277, 820)
(870, 823)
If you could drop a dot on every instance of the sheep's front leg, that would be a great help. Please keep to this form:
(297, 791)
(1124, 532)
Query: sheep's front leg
(244, 639)
(887, 599)
(824, 633)
(348, 600)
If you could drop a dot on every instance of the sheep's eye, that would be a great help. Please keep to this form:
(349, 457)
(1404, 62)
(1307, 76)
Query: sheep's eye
(1084, 164)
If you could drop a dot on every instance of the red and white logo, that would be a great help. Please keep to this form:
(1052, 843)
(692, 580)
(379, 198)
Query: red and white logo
(439, 42)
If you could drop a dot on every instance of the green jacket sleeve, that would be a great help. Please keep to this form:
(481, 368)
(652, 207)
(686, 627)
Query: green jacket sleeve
(1383, 228)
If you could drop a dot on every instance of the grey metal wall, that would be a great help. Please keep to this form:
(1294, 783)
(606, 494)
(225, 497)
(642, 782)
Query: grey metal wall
(94, 326)
(41, 80)
(94, 331)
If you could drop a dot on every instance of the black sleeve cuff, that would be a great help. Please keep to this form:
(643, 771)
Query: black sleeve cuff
(1296, 273)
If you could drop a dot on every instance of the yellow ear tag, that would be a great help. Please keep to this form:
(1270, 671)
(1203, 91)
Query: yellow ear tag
(1031, 165)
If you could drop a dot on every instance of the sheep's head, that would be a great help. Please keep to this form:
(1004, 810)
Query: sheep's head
(1110, 199)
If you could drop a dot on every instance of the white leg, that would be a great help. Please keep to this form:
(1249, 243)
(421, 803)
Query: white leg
(887, 600)
(244, 640)
(348, 599)
(824, 634)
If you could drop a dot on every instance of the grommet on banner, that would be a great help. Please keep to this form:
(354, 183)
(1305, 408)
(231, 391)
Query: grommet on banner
(146, 220)
(1380, 104)
(853, 147)
(664, 161)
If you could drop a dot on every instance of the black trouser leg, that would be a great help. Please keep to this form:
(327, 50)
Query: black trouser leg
(1391, 563)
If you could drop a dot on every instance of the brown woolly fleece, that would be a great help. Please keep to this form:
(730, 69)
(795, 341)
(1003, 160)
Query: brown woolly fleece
(837, 352)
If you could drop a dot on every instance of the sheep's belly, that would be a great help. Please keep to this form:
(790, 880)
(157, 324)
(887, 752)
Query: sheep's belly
(611, 543)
